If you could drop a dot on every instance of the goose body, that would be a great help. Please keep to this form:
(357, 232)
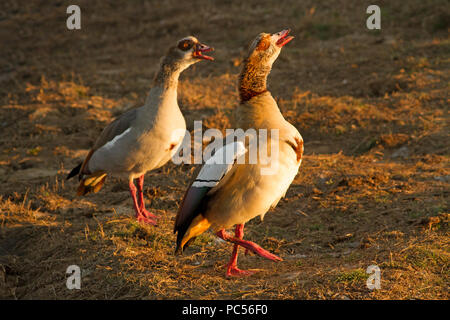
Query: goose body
(144, 138)
(249, 191)
(236, 193)
(153, 134)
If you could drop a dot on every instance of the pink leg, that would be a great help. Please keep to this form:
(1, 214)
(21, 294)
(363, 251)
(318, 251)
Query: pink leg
(144, 211)
(139, 216)
(232, 269)
(238, 241)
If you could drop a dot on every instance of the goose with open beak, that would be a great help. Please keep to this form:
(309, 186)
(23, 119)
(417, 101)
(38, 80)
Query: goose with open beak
(226, 195)
(144, 138)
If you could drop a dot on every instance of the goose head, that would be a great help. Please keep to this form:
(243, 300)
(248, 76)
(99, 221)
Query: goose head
(266, 47)
(187, 52)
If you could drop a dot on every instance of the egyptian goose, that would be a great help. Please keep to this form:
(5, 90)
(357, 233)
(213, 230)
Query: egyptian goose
(144, 138)
(225, 194)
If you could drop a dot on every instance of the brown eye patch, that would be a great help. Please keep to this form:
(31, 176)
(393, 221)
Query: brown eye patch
(264, 43)
(185, 45)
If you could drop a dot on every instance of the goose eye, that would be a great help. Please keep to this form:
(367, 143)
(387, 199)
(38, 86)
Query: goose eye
(185, 45)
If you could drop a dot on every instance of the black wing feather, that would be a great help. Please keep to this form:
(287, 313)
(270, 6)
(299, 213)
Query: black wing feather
(193, 203)
(74, 171)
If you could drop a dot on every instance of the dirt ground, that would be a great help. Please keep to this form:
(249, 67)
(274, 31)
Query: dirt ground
(371, 105)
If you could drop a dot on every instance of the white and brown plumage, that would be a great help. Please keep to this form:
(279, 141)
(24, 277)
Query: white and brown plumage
(144, 138)
(222, 196)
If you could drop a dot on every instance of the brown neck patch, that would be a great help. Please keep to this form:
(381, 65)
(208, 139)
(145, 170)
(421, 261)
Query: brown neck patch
(246, 94)
(253, 78)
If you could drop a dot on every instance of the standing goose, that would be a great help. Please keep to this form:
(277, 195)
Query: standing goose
(224, 195)
(144, 138)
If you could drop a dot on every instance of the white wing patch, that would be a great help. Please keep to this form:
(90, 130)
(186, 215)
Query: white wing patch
(111, 143)
(217, 166)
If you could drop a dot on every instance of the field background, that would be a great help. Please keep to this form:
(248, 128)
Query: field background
(372, 107)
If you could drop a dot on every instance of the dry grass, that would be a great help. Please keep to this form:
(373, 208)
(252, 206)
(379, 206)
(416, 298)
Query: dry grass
(372, 108)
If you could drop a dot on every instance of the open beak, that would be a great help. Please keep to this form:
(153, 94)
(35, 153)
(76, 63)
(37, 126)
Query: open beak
(283, 37)
(199, 49)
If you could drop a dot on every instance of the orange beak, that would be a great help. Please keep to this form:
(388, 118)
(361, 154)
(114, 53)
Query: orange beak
(199, 49)
(283, 37)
